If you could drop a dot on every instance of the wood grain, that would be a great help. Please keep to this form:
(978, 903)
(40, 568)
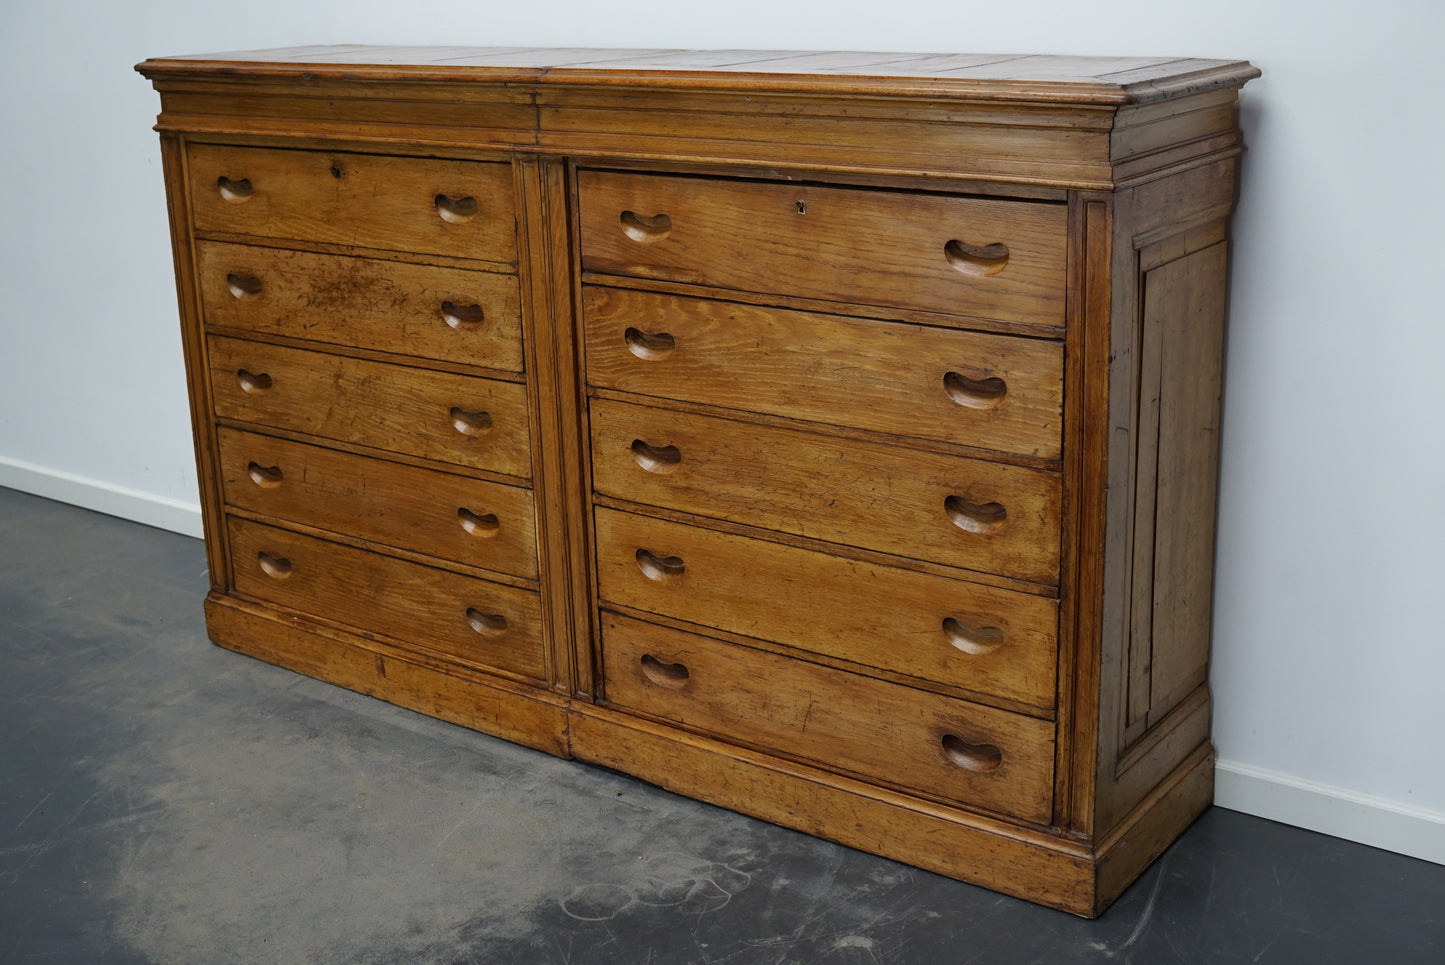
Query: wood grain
(419, 607)
(983, 391)
(472, 317)
(370, 403)
(854, 724)
(870, 402)
(846, 245)
(365, 200)
(851, 493)
(869, 615)
(449, 517)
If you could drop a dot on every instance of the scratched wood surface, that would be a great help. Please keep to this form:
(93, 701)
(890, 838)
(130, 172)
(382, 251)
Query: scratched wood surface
(967, 388)
(963, 256)
(999, 643)
(436, 415)
(449, 517)
(886, 498)
(458, 208)
(853, 723)
(478, 622)
(426, 311)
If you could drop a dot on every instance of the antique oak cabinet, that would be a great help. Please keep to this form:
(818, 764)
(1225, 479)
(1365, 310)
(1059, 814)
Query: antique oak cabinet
(829, 436)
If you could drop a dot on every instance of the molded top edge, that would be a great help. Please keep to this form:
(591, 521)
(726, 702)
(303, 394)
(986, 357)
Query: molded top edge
(1042, 78)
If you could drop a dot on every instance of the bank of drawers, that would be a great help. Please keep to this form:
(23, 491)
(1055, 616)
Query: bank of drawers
(365, 354)
(831, 535)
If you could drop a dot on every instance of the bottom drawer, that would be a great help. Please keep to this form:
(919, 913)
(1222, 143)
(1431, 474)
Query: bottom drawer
(939, 746)
(476, 621)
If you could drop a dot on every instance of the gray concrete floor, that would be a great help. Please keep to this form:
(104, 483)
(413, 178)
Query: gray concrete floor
(163, 800)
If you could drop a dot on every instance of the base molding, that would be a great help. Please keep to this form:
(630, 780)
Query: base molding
(102, 497)
(1330, 810)
(532, 718)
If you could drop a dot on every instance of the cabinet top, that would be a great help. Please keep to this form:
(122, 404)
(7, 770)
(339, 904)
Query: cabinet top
(1036, 78)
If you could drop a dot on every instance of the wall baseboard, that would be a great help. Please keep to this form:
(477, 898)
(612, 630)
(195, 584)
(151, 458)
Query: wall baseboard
(103, 497)
(1279, 797)
(1330, 810)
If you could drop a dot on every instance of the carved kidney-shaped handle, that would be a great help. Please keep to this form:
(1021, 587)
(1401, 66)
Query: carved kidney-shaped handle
(972, 757)
(456, 210)
(645, 228)
(673, 676)
(658, 459)
(234, 190)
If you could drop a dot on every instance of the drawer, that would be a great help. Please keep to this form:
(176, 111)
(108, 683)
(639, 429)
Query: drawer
(990, 641)
(990, 391)
(471, 317)
(459, 208)
(475, 621)
(962, 512)
(939, 253)
(436, 415)
(450, 517)
(945, 748)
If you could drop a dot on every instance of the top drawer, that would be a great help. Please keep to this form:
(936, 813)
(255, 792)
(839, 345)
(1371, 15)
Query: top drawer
(458, 208)
(938, 253)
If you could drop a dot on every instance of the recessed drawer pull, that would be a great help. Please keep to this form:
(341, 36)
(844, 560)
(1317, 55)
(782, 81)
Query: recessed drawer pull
(276, 567)
(974, 393)
(644, 229)
(973, 757)
(265, 477)
(976, 259)
(253, 382)
(243, 286)
(463, 318)
(658, 459)
(485, 526)
(487, 624)
(659, 568)
(974, 517)
(646, 345)
(972, 640)
(673, 676)
(456, 210)
(471, 424)
(234, 191)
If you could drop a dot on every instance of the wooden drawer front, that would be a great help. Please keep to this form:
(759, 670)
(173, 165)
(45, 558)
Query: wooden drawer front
(944, 747)
(482, 623)
(990, 391)
(459, 208)
(930, 252)
(963, 512)
(451, 517)
(437, 415)
(439, 313)
(977, 638)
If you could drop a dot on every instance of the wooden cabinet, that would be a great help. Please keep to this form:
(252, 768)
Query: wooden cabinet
(830, 437)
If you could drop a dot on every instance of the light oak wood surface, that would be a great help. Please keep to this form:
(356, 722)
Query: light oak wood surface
(969, 256)
(449, 517)
(435, 415)
(962, 512)
(832, 436)
(477, 622)
(425, 311)
(975, 638)
(937, 746)
(967, 388)
(414, 204)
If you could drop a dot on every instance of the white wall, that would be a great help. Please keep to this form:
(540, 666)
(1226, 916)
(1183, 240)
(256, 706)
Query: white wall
(1330, 621)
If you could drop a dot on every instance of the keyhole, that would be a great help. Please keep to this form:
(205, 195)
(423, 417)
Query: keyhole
(336, 169)
(802, 207)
